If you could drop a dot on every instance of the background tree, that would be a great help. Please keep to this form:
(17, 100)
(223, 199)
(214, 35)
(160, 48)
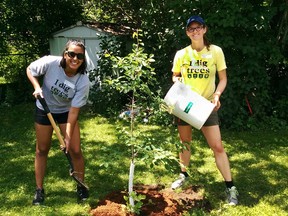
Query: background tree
(251, 33)
(25, 32)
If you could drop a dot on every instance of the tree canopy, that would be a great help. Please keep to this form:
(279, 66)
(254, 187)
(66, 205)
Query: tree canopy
(26, 27)
(252, 33)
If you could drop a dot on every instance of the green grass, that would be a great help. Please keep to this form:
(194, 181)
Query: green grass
(258, 159)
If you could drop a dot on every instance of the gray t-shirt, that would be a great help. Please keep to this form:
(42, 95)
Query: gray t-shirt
(60, 91)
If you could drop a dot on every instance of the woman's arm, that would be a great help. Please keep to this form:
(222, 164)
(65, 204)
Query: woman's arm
(34, 81)
(71, 122)
(220, 88)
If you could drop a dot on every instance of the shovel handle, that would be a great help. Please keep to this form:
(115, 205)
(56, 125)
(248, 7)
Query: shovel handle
(51, 119)
(44, 104)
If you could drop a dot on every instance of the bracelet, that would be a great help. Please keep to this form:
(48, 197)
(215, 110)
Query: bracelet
(217, 93)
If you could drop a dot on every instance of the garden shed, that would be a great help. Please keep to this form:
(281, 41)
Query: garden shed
(90, 33)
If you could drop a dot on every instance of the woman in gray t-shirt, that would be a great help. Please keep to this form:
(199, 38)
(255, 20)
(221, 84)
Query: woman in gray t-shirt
(65, 88)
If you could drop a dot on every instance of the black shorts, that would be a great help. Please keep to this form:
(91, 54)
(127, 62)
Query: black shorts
(40, 117)
(212, 120)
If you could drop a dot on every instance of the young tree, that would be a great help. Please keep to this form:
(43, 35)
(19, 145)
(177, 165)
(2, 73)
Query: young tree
(135, 73)
(135, 76)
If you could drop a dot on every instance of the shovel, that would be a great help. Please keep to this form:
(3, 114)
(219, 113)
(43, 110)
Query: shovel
(72, 172)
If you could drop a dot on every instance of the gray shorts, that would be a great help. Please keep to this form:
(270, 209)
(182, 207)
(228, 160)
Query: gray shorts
(212, 120)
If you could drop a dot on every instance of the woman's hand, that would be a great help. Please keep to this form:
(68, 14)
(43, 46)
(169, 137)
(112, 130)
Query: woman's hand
(216, 101)
(67, 144)
(176, 77)
(38, 91)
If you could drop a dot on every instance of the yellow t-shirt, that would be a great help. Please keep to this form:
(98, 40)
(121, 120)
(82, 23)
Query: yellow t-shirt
(198, 69)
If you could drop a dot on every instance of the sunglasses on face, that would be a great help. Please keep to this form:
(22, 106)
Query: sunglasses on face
(72, 54)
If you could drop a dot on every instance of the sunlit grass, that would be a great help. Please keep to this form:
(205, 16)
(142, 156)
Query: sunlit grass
(258, 162)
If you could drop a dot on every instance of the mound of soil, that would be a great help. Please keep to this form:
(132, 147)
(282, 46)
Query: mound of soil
(158, 201)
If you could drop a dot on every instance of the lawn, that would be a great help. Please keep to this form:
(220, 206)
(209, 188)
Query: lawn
(258, 159)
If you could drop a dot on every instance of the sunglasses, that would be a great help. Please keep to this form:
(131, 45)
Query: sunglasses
(72, 54)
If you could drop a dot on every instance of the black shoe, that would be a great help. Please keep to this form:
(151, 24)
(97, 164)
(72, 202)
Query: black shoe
(82, 193)
(38, 197)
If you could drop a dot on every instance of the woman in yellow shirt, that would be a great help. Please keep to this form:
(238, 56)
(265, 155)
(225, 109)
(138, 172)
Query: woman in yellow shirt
(197, 65)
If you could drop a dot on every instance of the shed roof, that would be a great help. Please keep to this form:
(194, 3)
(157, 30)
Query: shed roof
(110, 28)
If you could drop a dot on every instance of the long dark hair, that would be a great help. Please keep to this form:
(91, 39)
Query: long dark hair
(82, 68)
(206, 41)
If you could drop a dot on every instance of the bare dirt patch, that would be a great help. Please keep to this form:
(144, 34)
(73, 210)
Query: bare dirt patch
(159, 201)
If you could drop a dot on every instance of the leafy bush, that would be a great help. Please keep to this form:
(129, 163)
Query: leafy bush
(104, 99)
(18, 88)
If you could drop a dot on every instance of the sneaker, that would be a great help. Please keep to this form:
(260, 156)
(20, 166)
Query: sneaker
(179, 182)
(232, 194)
(38, 197)
(82, 193)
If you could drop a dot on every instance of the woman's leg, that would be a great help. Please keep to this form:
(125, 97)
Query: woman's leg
(43, 143)
(213, 137)
(185, 135)
(75, 151)
(77, 159)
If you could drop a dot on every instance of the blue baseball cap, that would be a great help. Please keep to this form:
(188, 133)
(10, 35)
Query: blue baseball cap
(195, 19)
